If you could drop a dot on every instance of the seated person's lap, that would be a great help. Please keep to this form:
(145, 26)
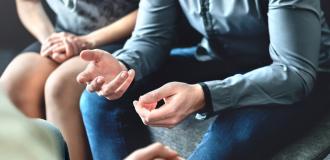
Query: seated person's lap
(243, 132)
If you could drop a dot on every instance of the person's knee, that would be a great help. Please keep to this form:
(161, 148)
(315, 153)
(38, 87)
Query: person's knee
(18, 69)
(22, 78)
(58, 85)
(88, 100)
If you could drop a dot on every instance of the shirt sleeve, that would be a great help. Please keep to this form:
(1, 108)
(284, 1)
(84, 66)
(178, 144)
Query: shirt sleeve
(152, 38)
(295, 35)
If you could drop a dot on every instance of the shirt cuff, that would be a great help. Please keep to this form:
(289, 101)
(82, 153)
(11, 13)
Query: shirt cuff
(221, 93)
(207, 110)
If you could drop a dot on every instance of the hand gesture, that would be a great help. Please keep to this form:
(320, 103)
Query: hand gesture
(105, 74)
(180, 99)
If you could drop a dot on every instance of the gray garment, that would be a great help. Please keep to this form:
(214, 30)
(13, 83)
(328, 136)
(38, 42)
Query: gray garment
(85, 16)
(24, 139)
(295, 43)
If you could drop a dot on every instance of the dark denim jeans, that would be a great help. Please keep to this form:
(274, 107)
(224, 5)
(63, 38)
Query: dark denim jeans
(114, 129)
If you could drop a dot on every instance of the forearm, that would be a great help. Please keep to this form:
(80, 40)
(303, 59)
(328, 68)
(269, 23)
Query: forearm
(152, 38)
(274, 84)
(295, 43)
(34, 18)
(113, 32)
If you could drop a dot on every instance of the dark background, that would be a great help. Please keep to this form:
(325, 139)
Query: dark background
(12, 33)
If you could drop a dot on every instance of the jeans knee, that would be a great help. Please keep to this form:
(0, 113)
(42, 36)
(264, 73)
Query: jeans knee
(91, 103)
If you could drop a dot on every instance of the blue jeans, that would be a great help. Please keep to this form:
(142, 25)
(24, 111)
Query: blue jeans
(114, 129)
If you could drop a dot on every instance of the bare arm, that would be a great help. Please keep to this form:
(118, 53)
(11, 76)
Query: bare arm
(34, 18)
(113, 32)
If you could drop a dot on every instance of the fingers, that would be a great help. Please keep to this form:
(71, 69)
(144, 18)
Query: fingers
(49, 44)
(160, 151)
(122, 89)
(158, 94)
(154, 151)
(142, 111)
(118, 86)
(69, 48)
(92, 55)
(96, 84)
(58, 57)
(85, 77)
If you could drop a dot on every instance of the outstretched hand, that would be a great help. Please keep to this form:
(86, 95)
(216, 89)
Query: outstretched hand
(105, 74)
(180, 99)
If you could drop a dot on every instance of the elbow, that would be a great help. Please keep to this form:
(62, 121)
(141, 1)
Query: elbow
(301, 83)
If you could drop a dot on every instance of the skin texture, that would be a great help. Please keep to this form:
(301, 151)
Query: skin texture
(44, 85)
(155, 151)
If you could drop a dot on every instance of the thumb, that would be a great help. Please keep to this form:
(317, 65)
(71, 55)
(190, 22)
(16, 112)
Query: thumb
(154, 96)
(92, 55)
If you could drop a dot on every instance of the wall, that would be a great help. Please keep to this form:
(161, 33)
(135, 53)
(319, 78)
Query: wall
(12, 33)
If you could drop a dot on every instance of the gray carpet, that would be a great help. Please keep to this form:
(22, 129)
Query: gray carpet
(315, 145)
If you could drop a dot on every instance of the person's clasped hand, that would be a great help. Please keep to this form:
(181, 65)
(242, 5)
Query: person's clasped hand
(62, 46)
(105, 75)
(180, 100)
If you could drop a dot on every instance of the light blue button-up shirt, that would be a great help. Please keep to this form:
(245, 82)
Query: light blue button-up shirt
(295, 37)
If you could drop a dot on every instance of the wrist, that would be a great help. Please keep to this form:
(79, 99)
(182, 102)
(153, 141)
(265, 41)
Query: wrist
(199, 97)
(42, 39)
(207, 110)
(90, 42)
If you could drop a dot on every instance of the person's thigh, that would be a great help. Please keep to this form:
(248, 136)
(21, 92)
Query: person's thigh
(257, 132)
(24, 80)
(62, 85)
(113, 128)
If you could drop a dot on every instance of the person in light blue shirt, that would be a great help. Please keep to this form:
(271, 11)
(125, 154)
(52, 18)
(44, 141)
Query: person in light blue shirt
(255, 69)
